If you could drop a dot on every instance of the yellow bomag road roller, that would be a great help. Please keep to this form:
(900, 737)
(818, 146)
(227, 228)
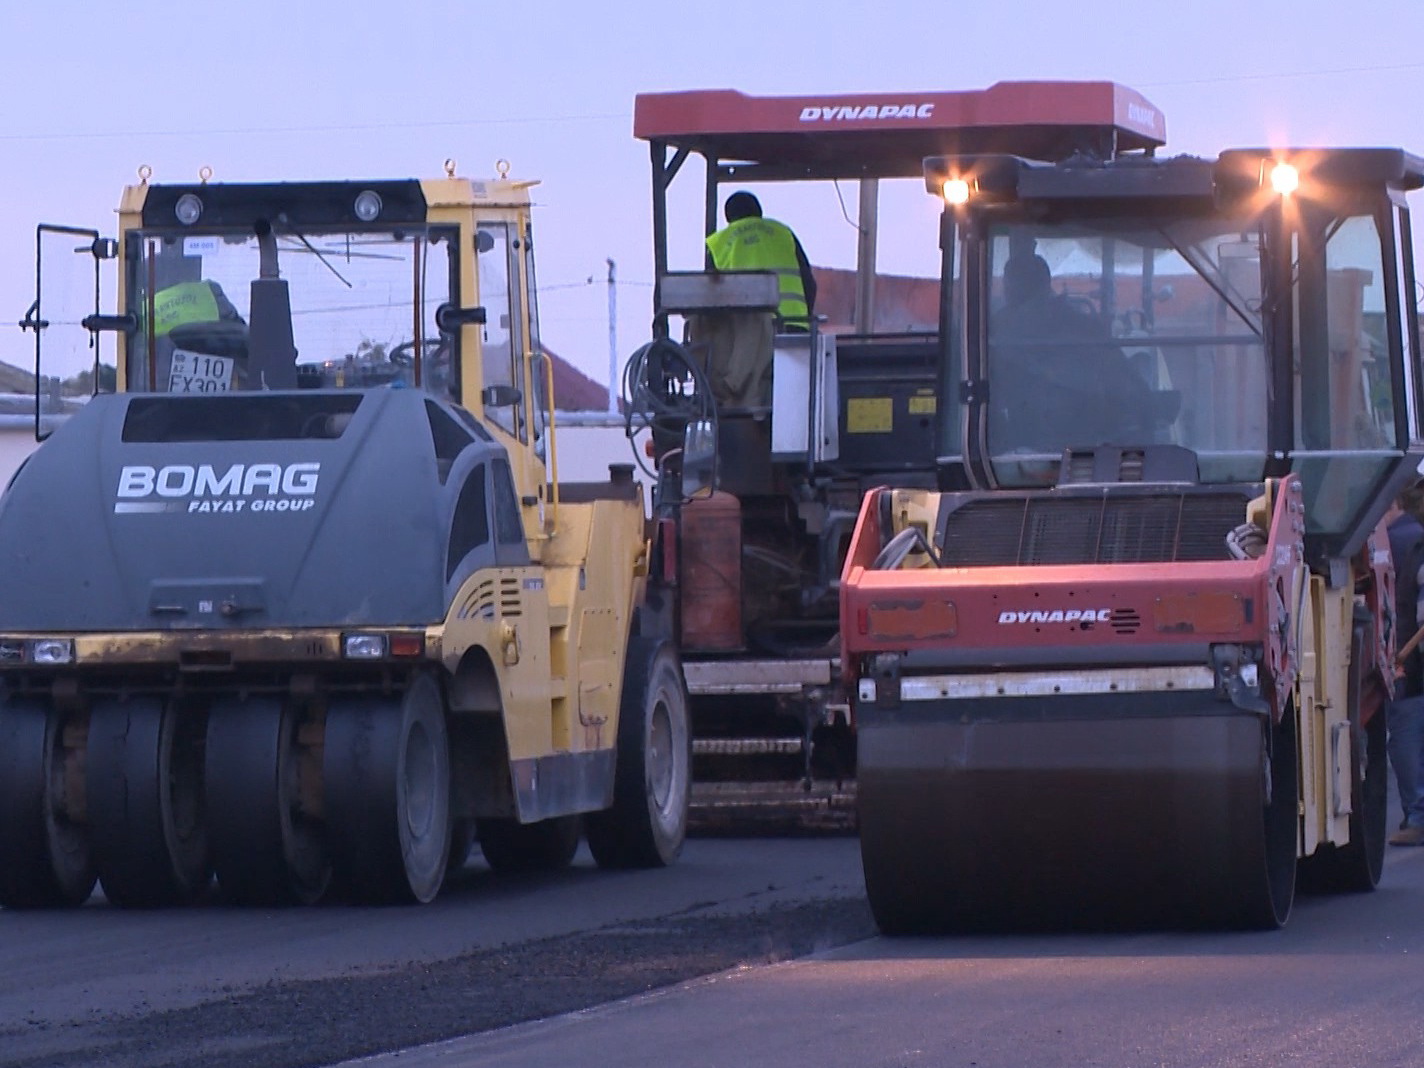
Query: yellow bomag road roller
(1125, 664)
(295, 601)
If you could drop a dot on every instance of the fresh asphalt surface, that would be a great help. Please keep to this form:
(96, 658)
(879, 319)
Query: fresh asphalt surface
(1341, 985)
(746, 952)
(221, 986)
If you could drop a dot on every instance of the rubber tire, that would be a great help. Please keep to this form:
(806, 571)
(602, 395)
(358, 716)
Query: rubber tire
(264, 851)
(45, 860)
(145, 797)
(510, 846)
(652, 787)
(387, 772)
(1281, 827)
(1356, 867)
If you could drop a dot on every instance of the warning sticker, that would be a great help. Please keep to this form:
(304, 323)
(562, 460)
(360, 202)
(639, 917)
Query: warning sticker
(870, 415)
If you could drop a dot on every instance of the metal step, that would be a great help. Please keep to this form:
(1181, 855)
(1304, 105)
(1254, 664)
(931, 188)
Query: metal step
(747, 746)
(732, 677)
(762, 808)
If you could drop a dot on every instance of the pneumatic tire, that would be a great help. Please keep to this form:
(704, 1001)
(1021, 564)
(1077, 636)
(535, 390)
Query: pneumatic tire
(267, 850)
(387, 774)
(652, 790)
(144, 780)
(45, 858)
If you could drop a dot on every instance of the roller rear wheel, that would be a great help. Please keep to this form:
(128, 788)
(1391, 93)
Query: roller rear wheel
(45, 858)
(652, 791)
(267, 848)
(145, 801)
(387, 774)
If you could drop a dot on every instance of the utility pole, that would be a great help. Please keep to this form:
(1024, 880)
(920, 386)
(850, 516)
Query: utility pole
(612, 339)
(868, 224)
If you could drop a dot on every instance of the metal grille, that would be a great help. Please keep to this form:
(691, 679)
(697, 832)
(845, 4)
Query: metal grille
(1125, 620)
(1090, 529)
(481, 597)
(511, 603)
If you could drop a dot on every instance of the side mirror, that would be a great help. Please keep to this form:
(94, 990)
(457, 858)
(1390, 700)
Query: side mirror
(119, 324)
(449, 318)
(500, 396)
(699, 458)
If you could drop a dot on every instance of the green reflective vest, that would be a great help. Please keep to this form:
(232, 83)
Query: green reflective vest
(759, 244)
(187, 302)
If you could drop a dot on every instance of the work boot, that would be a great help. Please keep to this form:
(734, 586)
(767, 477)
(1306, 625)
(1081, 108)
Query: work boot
(1407, 836)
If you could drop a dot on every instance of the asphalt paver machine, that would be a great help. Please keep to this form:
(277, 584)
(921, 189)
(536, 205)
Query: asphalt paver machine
(754, 569)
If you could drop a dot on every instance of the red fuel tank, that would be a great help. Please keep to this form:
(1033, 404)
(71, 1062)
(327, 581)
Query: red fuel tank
(712, 574)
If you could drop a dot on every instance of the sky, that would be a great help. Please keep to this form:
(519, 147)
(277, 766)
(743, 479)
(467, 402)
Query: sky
(278, 90)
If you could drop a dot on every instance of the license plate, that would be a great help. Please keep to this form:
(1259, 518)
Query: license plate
(197, 372)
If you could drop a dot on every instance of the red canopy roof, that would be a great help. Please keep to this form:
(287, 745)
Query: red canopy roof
(892, 133)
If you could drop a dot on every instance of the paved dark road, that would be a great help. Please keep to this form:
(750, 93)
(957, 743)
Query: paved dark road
(1342, 985)
(229, 987)
(601, 967)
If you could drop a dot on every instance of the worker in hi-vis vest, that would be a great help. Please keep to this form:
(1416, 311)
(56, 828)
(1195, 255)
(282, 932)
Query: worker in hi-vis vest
(187, 302)
(201, 339)
(750, 242)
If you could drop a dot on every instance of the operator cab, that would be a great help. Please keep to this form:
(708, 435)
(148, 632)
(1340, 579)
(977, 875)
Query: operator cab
(1185, 307)
(302, 286)
(313, 295)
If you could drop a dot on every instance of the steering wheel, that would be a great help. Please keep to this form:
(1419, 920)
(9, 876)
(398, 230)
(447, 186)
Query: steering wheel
(403, 355)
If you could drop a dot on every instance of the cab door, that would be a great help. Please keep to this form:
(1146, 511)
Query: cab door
(65, 320)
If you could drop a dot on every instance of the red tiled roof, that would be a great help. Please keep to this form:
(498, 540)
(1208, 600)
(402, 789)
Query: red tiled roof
(902, 304)
(573, 390)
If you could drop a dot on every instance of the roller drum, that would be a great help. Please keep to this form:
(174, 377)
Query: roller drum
(971, 823)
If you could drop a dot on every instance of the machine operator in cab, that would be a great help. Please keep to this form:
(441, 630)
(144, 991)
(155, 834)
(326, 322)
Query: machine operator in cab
(1061, 378)
(740, 344)
(201, 339)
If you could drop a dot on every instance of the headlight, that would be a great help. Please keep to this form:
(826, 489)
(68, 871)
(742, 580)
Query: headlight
(368, 205)
(955, 191)
(188, 209)
(363, 646)
(52, 651)
(1285, 179)
(36, 652)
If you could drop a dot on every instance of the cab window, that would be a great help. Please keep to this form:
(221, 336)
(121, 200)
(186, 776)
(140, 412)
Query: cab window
(498, 263)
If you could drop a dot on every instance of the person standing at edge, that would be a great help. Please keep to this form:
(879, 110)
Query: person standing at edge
(1406, 711)
(751, 242)
(740, 343)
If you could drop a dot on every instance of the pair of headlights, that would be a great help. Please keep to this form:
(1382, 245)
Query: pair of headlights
(1284, 178)
(366, 207)
(56, 652)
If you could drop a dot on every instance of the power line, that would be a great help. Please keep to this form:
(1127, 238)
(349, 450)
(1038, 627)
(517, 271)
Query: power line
(1375, 69)
(455, 124)
(235, 131)
(589, 282)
